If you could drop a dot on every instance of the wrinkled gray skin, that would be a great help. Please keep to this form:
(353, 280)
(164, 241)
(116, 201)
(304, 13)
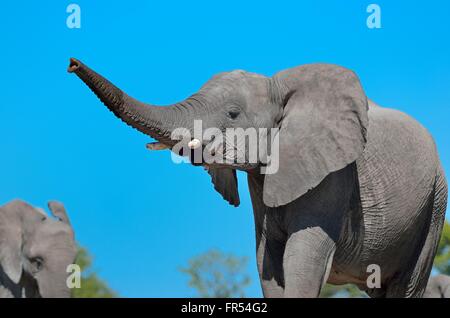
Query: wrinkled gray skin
(35, 251)
(357, 184)
(438, 287)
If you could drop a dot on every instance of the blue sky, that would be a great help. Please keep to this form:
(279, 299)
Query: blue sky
(141, 215)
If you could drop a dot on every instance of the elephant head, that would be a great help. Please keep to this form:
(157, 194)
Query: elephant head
(315, 115)
(35, 250)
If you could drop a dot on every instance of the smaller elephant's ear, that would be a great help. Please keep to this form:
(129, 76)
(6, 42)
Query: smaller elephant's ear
(225, 182)
(11, 241)
(59, 211)
(323, 129)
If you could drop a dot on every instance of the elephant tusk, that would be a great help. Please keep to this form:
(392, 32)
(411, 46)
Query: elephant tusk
(156, 146)
(194, 144)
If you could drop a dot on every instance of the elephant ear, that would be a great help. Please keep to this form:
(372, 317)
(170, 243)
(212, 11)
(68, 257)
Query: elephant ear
(11, 240)
(225, 182)
(323, 129)
(59, 211)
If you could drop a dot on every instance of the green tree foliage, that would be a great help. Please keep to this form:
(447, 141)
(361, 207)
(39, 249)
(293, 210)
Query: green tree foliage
(91, 285)
(214, 274)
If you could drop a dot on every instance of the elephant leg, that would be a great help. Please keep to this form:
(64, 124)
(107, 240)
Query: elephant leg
(270, 267)
(414, 282)
(376, 293)
(307, 262)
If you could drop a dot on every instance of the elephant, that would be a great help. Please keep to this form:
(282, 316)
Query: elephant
(438, 287)
(358, 186)
(35, 251)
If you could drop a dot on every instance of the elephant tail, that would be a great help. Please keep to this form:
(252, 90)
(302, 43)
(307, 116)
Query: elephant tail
(441, 191)
(422, 269)
(439, 208)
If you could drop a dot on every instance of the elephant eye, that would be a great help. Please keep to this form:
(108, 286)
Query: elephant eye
(36, 264)
(233, 113)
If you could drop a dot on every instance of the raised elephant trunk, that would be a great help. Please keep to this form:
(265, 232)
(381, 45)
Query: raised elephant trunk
(155, 121)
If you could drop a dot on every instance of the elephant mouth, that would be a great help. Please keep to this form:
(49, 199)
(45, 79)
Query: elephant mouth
(216, 156)
(196, 156)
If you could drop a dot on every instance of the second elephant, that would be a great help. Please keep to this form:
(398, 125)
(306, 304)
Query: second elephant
(35, 251)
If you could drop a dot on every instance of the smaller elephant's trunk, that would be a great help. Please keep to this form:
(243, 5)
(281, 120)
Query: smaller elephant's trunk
(155, 121)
